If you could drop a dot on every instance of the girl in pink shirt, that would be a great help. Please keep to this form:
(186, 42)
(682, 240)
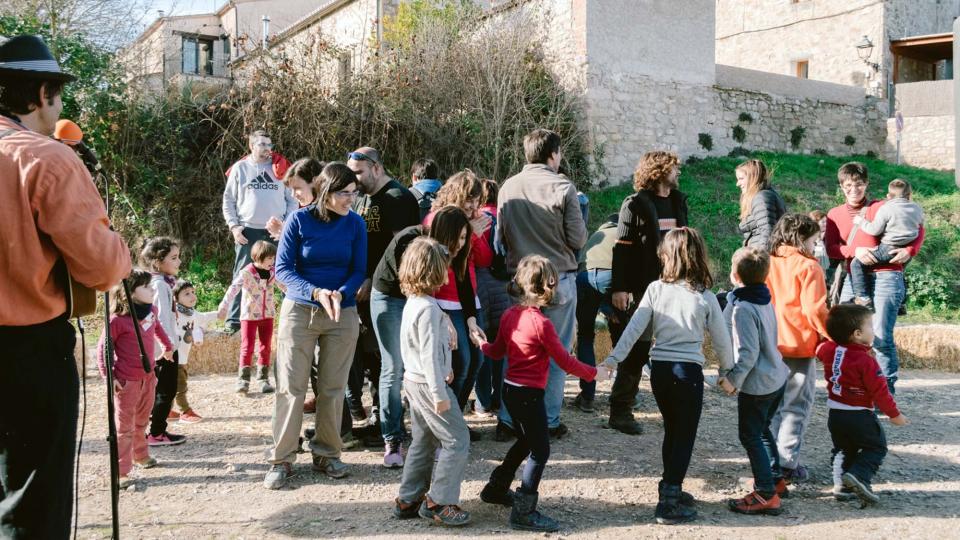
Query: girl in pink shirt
(133, 388)
(528, 339)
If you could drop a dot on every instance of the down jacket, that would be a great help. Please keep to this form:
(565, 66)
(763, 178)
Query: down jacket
(766, 209)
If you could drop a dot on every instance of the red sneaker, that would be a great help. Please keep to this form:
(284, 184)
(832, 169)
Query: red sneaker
(190, 417)
(755, 504)
(173, 416)
(781, 489)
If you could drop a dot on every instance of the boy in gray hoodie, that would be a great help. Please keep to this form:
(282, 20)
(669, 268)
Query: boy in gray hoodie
(759, 375)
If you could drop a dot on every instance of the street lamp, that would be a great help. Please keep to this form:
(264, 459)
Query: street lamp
(865, 51)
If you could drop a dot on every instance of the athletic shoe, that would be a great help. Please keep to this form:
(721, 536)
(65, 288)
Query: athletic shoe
(584, 404)
(358, 414)
(405, 510)
(393, 455)
(480, 411)
(844, 494)
(125, 482)
(146, 463)
(449, 515)
(796, 476)
(278, 475)
(190, 417)
(349, 441)
(862, 489)
(756, 504)
(559, 431)
(173, 416)
(165, 439)
(781, 488)
(332, 467)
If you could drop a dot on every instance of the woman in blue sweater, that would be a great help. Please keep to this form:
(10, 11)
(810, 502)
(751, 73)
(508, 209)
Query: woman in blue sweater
(322, 260)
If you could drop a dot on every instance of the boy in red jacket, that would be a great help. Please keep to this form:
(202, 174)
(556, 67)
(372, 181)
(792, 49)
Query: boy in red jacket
(855, 385)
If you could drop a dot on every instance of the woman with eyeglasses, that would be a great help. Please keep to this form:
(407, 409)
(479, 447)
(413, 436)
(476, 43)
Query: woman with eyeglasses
(322, 260)
(451, 228)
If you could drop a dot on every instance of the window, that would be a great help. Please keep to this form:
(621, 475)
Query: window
(226, 49)
(197, 55)
(802, 69)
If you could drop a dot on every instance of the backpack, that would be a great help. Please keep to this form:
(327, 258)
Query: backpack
(424, 201)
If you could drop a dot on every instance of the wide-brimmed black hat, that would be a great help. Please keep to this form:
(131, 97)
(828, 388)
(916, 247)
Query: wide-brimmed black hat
(29, 56)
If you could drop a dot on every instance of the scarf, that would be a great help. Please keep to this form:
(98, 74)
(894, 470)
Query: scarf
(755, 294)
(264, 274)
(185, 310)
(142, 310)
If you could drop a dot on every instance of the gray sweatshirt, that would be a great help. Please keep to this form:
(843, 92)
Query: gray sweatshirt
(425, 345)
(163, 300)
(679, 316)
(897, 222)
(254, 194)
(758, 366)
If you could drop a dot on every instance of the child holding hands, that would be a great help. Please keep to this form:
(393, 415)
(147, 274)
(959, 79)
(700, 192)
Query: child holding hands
(680, 310)
(133, 388)
(435, 416)
(190, 326)
(759, 375)
(855, 385)
(528, 340)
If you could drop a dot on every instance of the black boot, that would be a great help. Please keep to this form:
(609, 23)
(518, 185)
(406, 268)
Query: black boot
(524, 515)
(497, 490)
(669, 509)
(625, 423)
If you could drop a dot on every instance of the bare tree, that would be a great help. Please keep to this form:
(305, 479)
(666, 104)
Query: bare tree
(108, 23)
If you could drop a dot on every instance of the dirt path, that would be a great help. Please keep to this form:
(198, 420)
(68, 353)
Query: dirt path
(599, 483)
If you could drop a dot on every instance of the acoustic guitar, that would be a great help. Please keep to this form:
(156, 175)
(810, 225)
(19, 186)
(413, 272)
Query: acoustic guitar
(81, 300)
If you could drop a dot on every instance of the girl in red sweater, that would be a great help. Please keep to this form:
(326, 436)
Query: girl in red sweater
(528, 340)
(133, 388)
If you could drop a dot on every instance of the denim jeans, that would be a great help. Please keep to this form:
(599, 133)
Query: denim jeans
(678, 389)
(386, 312)
(593, 296)
(860, 273)
(489, 382)
(466, 357)
(754, 414)
(888, 290)
(562, 313)
(860, 437)
(533, 438)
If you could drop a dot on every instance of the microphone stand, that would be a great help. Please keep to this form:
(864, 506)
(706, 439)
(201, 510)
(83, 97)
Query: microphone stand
(108, 359)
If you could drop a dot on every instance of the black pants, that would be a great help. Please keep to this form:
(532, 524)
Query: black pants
(38, 429)
(629, 372)
(754, 414)
(167, 375)
(860, 437)
(678, 389)
(529, 415)
(366, 363)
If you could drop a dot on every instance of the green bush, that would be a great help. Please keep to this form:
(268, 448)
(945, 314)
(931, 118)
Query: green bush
(745, 118)
(797, 135)
(705, 140)
(739, 134)
(849, 140)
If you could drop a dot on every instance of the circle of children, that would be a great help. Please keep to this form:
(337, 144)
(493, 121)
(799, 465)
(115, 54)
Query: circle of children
(426, 274)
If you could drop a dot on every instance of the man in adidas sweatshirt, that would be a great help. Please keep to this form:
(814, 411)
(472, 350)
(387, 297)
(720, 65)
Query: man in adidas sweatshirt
(255, 204)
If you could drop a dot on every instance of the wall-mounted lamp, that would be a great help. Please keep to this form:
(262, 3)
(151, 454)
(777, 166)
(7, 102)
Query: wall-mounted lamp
(865, 51)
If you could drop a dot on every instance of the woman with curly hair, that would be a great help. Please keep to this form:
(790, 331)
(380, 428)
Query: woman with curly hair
(646, 217)
(760, 205)
(465, 191)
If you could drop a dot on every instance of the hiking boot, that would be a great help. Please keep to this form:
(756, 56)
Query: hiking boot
(669, 510)
(405, 510)
(687, 499)
(559, 431)
(332, 467)
(263, 377)
(862, 489)
(625, 424)
(146, 463)
(525, 517)
(278, 475)
(165, 439)
(449, 515)
(584, 404)
(754, 503)
(497, 491)
(190, 417)
(393, 455)
(504, 433)
(796, 476)
(243, 380)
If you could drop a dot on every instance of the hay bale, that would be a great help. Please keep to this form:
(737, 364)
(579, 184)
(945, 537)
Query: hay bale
(927, 346)
(219, 353)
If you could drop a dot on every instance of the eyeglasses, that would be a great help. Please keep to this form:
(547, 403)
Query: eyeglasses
(853, 186)
(360, 156)
(264, 145)
(347, 194)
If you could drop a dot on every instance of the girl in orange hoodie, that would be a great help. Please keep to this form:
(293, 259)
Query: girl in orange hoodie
(799, 295)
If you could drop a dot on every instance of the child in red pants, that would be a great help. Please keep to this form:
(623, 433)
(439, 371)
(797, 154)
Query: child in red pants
(133, 388)
(255, 283)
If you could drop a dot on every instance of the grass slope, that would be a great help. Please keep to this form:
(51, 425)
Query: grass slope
(809, 182)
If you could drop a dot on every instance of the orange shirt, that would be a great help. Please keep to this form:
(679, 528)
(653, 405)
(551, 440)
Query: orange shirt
(798, 291)
(49, 209)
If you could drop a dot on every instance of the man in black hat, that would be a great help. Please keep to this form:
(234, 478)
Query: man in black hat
(52, 218)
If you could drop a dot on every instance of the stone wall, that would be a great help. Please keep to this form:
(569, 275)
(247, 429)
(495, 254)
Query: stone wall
(926, 141)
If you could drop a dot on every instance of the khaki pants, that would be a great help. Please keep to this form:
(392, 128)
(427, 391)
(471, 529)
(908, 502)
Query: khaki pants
(305, 331)
(181, 398)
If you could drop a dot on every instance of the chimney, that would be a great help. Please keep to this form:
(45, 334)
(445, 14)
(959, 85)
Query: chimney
(266, 30)
(160, 13)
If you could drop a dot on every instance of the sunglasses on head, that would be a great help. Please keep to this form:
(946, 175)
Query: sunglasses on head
(360, 156)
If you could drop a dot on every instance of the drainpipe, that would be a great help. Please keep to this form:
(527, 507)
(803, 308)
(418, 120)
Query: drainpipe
(266, 30)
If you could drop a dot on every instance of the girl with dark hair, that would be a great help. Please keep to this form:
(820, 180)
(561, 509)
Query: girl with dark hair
(321, 259)
(450, 228)
(300, 178)
(798, 292)
(760, 205)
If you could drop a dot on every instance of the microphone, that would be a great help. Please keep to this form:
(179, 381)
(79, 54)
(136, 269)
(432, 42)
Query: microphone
(70, 134)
